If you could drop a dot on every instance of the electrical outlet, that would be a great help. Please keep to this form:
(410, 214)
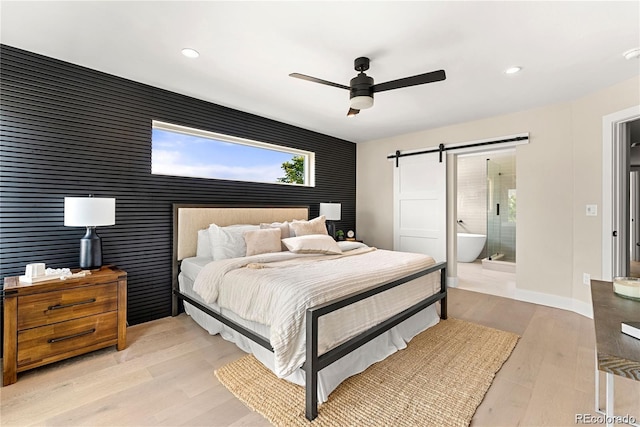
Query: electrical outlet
(586, 278)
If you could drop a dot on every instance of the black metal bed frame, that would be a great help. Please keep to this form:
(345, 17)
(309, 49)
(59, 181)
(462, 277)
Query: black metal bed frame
(315, 362)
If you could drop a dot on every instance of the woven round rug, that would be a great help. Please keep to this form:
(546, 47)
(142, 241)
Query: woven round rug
(438, 380)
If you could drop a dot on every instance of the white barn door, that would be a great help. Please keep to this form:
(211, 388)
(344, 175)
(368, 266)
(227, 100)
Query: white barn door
(420, 205)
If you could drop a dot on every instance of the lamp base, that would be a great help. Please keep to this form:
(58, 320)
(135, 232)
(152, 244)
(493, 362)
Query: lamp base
(90, 250)
(331, 228)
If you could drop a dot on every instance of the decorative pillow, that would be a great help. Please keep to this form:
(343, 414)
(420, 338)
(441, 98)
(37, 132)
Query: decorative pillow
(262, 241)
(228, 242)
(314, 226)
(285, 231)
(203, 248)
(292, 233)
(312, 244)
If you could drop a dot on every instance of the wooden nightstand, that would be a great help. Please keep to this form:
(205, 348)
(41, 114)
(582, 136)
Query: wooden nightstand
(53, 320)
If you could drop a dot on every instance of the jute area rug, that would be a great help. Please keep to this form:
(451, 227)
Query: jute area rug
(438, 380)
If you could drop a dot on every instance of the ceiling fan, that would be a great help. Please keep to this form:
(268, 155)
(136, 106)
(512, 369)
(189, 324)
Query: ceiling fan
(361, 87)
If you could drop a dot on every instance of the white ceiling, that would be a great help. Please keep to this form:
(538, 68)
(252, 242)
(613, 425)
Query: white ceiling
(248, 49)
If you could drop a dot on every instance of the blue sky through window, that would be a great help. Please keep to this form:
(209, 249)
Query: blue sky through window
(179, 154)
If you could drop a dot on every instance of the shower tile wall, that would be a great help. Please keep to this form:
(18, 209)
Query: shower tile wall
(472, 196)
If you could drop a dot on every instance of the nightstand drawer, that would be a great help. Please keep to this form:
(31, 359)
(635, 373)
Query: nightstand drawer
(52, 342)
(57, 306)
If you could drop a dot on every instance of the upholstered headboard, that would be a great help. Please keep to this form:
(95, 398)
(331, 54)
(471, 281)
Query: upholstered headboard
(189, 218)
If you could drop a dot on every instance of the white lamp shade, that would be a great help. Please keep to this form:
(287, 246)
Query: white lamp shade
(89, 211)
(331, 211)
(361, 102)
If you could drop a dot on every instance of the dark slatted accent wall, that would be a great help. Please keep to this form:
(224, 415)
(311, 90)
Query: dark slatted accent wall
(70, 131)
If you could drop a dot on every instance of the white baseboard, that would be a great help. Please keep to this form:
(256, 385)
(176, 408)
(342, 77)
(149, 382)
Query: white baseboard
(452, 282)
(583, 308)
(555, 301)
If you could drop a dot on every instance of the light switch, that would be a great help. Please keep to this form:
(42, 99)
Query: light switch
(592, 210)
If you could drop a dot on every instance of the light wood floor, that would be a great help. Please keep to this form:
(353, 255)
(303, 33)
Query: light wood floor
(165, 375)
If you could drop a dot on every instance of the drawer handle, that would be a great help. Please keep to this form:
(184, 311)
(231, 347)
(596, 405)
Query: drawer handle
(59, 306)
(68, 337)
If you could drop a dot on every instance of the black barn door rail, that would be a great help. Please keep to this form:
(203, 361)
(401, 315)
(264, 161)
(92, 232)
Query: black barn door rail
(442, 148)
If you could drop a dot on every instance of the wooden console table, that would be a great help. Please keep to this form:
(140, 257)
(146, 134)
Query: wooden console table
(616, 353)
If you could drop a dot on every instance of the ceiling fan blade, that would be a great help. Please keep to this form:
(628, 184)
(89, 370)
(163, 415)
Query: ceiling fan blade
(352, 112)
(434, 76)
(316, 80)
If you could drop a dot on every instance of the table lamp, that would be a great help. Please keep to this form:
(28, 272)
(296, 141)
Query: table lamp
(331, 212)
(90, 212)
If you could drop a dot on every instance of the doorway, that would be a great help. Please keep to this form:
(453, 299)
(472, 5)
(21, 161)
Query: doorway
(617, 240)
(486, 213)
(634, 198)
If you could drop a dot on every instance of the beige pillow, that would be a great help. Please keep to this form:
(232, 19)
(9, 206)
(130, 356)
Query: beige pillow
(285, 232)
(314, 226)
(262, 241)
(312, 244)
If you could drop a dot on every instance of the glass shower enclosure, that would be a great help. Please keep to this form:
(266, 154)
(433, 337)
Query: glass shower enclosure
(501, 208)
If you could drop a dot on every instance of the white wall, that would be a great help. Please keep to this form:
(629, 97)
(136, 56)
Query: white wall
(558, 173)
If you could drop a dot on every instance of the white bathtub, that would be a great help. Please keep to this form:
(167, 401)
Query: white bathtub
(470, 246)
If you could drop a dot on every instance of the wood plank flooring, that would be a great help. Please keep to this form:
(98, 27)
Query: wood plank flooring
(165, 375)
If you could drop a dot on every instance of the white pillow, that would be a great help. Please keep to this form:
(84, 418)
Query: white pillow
(312, 244)
(203, 248)
(262, 241)
(228, 242)
(346, 245)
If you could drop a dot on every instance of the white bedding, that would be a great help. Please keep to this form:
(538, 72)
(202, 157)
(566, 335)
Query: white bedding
(328, 378)
(278, 296)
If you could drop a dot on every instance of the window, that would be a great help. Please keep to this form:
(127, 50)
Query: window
(182, 151)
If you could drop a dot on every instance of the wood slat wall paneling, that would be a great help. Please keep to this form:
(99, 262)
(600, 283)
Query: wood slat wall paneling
(66, 130)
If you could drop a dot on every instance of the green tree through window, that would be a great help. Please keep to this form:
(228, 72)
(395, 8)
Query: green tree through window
(293, 170)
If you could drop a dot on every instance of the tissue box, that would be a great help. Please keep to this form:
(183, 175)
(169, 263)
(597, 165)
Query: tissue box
(34, 270)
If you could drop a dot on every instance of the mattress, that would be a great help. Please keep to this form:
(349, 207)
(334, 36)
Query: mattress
(328, 378)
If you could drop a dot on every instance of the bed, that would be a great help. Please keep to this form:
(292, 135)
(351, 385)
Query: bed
(356, 306)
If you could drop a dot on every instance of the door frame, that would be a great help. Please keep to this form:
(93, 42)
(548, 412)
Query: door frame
(613, 178)
(452, 191)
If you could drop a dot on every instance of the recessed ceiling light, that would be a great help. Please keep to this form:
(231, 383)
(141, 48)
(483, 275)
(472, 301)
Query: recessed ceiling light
(631, 54)
(512, 70)
(190, 53)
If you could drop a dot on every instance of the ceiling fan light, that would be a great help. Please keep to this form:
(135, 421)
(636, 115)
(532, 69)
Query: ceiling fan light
(361, 102)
